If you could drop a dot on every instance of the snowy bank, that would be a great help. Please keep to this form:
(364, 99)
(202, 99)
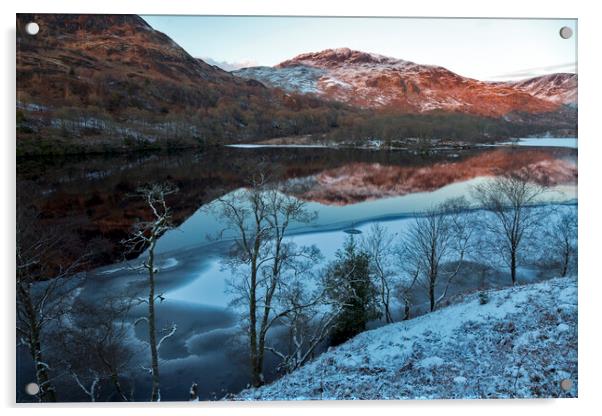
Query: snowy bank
(521, 343)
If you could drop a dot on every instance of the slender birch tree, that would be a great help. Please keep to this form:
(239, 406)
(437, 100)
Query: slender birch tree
(256, 220)
(438, 237)
(44, 293)
(379, 244)
(561, 237)
(509, 199)
(144, 237)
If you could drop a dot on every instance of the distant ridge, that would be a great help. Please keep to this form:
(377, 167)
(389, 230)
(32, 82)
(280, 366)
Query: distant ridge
(376, 81)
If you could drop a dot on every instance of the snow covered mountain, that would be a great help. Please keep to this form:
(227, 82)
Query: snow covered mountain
(521, 343)
(377, 81)
(558, 88)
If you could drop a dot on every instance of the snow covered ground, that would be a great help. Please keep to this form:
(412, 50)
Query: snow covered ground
(521, 343)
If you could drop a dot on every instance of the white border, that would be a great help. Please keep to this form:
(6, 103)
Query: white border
(590, 189)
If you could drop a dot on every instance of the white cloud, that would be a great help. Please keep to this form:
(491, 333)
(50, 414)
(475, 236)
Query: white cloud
(534, 72)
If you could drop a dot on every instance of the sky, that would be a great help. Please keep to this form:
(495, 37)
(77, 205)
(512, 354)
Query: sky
(486, 49)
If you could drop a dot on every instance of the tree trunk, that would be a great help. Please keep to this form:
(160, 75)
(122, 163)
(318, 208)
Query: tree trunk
(565, 263)
(152, 332)
(117, 385)
(254, 357)
(47, 392)
(260, 355)
(432, 295)
(513, 267)
(114, 377)
(388, 317)
(255, 366)
(258, 371)
(434, 271)
(385, 294)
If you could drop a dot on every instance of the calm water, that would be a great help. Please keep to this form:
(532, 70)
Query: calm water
(569, 142)
(91, 199)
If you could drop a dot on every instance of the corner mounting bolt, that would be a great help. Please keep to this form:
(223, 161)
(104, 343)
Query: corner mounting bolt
(32, 28)
(566, 32)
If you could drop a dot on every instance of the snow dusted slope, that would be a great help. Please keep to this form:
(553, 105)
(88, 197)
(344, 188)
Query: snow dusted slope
(303, 79)
(521, 343)
(376, 81)
(558, 88)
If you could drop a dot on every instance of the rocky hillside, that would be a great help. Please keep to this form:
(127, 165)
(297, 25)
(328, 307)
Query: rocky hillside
(114, 81)
(519, 342)
(106, 83)
(375, 81)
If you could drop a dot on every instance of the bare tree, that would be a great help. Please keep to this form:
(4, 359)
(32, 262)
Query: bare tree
(257, 219)
(439, 237)
(43, 293)
(92, 390)
(509, 198)
(96, 333)
(409, 272)
(379, 244)
(145, 236)
(308, 317)
(561, 236)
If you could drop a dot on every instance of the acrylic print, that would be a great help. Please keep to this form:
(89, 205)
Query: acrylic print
(295, 208)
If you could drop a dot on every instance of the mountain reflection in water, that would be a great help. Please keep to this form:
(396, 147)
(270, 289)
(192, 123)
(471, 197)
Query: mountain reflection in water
(91, 199)
(358, 182)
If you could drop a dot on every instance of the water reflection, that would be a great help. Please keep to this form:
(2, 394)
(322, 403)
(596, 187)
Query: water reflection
(90, 201)
(359, 192)
(358, 182)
